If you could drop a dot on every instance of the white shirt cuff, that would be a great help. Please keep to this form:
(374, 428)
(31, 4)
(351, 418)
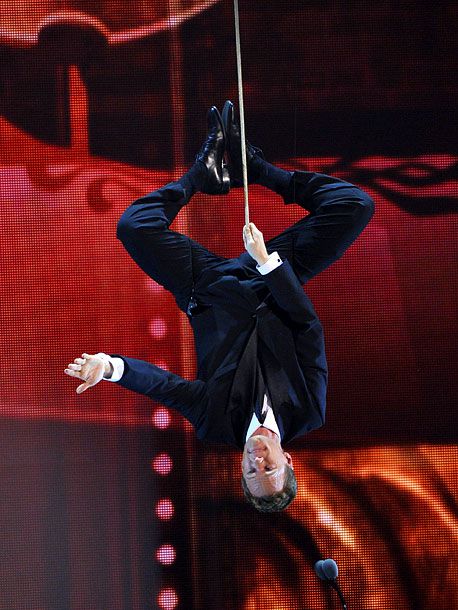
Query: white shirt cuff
(116, 363)
(271, 263)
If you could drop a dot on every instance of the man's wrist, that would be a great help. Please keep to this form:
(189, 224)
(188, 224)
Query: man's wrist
(113, 367)
(108, 372)
(261, 260)
(273, 261)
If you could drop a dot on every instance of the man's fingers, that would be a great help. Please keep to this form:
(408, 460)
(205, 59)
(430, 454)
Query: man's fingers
(83, 387)
(83, 368)
(74, 367)
(88, 383)
(247, 236)
(72, 373)
(254, 228)
(252, 231)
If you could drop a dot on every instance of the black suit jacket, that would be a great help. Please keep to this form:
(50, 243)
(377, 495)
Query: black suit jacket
(243, 316)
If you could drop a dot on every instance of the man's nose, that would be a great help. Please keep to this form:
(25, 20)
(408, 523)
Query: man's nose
(258, 463)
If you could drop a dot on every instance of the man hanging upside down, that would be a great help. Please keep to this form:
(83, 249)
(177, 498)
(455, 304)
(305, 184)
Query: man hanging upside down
(262, 370)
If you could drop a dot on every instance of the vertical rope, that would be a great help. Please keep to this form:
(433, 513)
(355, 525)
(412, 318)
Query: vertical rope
(241, 110)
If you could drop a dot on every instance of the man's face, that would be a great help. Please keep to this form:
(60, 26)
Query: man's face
(264, 465)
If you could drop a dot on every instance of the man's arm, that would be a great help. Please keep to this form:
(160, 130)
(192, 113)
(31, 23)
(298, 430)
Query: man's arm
(291, 298)
(187, 397)
(279, 277)
(308, 336)
(289, 294)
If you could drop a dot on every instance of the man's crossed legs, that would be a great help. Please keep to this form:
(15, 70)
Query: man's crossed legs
(338, 212)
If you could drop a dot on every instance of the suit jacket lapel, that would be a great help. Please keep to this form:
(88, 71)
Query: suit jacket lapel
(243, 390)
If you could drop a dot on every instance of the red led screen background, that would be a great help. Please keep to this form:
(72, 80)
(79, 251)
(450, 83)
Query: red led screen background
(107, 500)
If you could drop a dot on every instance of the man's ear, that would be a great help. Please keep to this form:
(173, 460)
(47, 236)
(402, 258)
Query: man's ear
(289, 459)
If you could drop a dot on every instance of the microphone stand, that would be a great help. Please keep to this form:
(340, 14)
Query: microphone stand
(336, 587)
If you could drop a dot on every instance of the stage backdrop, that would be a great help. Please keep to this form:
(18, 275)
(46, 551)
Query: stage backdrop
(107, 500)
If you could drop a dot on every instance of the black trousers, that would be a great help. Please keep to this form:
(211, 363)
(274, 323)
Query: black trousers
(339, 211)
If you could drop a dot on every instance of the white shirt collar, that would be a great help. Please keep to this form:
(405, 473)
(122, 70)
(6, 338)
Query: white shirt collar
(269, 422)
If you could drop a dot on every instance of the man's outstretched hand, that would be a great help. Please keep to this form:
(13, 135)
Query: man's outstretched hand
(90, 369)
(254, 243)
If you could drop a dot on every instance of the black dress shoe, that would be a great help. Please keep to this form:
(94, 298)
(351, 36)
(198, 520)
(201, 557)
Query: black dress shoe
(211, 155)
(234, 147)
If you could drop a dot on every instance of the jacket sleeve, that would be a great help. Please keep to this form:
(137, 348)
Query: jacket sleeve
(189, 398)
(307, 331)
(288, 294)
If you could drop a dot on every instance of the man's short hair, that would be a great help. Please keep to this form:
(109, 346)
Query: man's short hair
(278, 501)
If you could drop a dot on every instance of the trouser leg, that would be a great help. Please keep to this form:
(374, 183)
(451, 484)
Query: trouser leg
(339, 211)
(168, 257)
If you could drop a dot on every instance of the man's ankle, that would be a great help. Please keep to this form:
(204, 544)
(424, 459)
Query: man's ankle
(255, 169)
(270, 176)
(194, 179)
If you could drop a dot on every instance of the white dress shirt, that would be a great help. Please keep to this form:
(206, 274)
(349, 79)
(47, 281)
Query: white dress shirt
(271, 263)
(269, 422)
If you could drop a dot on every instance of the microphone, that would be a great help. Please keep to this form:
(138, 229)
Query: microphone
(327, 570)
